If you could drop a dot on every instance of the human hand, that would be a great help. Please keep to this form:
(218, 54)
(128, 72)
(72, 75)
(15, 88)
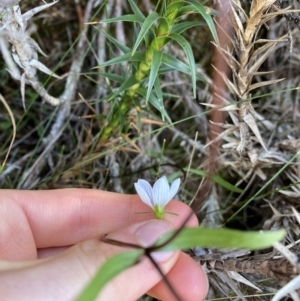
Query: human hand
(50, 247)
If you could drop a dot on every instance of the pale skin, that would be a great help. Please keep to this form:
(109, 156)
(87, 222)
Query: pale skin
(50, 246)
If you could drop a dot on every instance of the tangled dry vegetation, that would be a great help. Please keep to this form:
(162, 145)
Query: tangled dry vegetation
(61, 146)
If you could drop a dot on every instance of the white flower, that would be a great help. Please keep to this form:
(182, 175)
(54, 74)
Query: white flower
(158, 196)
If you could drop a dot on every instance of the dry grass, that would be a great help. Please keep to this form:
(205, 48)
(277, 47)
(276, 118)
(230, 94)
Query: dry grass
(58, 147)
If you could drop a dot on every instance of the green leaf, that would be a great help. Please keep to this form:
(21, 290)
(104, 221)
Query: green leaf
(175, 64)
(119, 45)
(221, 238)
(148, 22)
(173, 9)
(111, 268)
(225, 184)
(206, 16)
(183, 26)
(157, 103)
(189, 53)
(165, 69)
(136, 10)
(159, 95)
(126, 18)
(138, 56)
(158, 92)
(156, 61)
(216, 179)
(125, 86)
(114, 77)
(178, 65)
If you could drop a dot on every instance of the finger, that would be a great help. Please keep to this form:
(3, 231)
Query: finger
(63, 277)
(68, 216)
(187, 278)
(50, 252)
(16, 239)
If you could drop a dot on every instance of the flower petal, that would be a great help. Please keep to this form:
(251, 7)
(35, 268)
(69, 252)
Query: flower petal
(144, 190)
(174, 188)
(160, 192)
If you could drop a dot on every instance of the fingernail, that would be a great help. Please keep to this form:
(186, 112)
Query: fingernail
(150, 232)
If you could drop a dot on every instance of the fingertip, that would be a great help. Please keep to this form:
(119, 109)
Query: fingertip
(187, 278)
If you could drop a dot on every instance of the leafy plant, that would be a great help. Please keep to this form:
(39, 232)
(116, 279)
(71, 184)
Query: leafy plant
(158, 30)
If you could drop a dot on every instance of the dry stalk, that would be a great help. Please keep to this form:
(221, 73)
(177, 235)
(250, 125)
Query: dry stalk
(24, 50)
(248, 53)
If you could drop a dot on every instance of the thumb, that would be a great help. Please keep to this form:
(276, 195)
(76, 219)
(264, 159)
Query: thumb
(63, 277)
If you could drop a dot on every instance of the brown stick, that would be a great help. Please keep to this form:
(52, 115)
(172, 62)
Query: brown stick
(216, 117)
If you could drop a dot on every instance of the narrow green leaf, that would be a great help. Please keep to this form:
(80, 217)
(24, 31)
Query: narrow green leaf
(156, 61)
(183, 26)
(156, 103)
(119, 45)
(206, 16)
(136, 10)
(138, 57)
(112, 76)
(166, 69)
(173, 9)
(126, 85)
(159, 95)
(125, 18)
(111, 268)
(216, 179)
(148, 22)
(176, 64)
(189, 53)
(221, 238)
(225, 184)
(158, 91)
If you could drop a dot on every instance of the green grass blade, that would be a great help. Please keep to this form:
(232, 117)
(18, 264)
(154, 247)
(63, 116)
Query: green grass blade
(148, 22)
(156, 62)
(264, 186)
(215, 178)
(221, 238)
(225, 184)
(111, 268)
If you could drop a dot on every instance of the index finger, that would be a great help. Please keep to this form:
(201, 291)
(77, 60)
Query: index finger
(67, 216)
